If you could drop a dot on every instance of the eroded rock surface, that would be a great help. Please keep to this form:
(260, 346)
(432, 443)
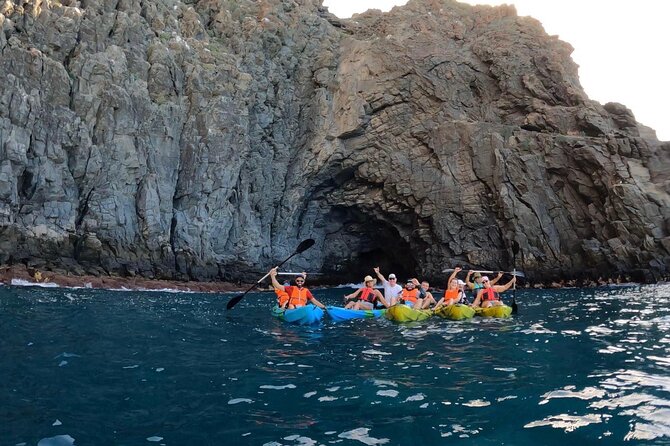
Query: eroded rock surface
(205, 139)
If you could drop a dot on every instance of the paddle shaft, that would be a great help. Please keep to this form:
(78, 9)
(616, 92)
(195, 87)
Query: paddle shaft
(514, 273)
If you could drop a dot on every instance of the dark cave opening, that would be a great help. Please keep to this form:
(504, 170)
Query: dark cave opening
(362, 243)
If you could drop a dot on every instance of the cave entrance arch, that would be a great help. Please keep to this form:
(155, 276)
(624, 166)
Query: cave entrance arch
(358, 242)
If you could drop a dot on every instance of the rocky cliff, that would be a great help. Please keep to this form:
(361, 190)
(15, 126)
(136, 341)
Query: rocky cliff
(204, 139)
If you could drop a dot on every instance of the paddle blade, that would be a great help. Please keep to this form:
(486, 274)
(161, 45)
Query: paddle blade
(234, 301)
(305, 245)
(515, 307)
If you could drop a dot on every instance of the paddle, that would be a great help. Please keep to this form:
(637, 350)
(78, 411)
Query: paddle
(286, 273)
(512, 273)
(303, 246)
(515, 251)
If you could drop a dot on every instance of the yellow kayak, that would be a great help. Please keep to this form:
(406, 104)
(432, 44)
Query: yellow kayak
(499, 311)
(403, 313)
(456, 312)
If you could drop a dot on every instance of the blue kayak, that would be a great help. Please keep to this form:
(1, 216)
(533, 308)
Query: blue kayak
(307, 315)
(339, 314)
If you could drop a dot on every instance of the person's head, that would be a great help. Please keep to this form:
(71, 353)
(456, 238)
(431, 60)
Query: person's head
(486, 282)
(425, 285)
(393, 280)
(300, 281)
(409, 284)
(477, 277)
(453, 284)
(461, 284)
(369, 281)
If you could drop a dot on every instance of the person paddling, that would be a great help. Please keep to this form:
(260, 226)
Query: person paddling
(391, 287)
(489, 296)
(365, 297)
(296, 296)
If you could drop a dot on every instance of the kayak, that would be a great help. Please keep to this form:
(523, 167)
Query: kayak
(403, 313)
(307, 315)
(499, 311)
(339, 314)
(456, 312)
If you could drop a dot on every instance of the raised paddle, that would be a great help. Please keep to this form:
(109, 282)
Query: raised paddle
(302, 247)
(512, 273)
(515, 251)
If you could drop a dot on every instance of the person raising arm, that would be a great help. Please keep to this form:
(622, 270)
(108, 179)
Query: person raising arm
(489, 296)
(367, 296)
(296, 296)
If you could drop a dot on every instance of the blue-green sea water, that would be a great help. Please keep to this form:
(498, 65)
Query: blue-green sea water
(92, 367)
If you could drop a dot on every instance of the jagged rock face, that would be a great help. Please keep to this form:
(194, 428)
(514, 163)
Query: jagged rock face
(205, 139)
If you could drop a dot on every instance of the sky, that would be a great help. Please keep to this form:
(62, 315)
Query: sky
(621, 47)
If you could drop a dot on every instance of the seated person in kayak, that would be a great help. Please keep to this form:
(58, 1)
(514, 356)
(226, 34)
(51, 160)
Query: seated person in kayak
(489, 296)
(292, 297)
(478, 285)
(453, 294)
(410, 295)
(391, 287)
(425, 296)
(365, 298)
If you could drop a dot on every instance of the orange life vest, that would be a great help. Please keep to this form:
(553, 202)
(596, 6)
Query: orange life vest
(298, 297)
(451, 294)
(282, 297)
(410, 296)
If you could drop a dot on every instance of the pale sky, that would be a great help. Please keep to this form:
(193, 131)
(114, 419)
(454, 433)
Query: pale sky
(622, 47)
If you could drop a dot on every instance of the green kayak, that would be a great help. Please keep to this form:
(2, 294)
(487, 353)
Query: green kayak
(500, 311)
(403, 313)
(456, 312)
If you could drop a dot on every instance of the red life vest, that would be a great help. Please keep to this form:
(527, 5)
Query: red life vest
(368, 295)
(490, 294)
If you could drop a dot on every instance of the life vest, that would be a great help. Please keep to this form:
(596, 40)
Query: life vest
(410, 296)
(451, 294)
(368, 295)
(282, 297)
(490, 294)
(298, 297)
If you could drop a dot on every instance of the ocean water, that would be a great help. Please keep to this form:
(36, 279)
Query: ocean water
(93, 367)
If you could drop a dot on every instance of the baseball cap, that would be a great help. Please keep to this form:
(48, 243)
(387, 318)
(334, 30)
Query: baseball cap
(392, 276)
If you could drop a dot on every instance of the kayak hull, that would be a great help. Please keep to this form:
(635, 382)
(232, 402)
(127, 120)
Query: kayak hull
(500, 311)
(307, 315)
(456, 312)
(339, 314)
(403, 313)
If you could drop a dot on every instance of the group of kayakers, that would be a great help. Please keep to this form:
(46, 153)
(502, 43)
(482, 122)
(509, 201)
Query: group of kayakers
(414, 294)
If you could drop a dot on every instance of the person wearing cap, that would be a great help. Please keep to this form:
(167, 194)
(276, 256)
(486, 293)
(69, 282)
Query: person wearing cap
(489, 295)
(426, 298)
(291, 297)
(365, 298)
(477, 285)
(453, 294)
(410, 295)
(391, 287)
